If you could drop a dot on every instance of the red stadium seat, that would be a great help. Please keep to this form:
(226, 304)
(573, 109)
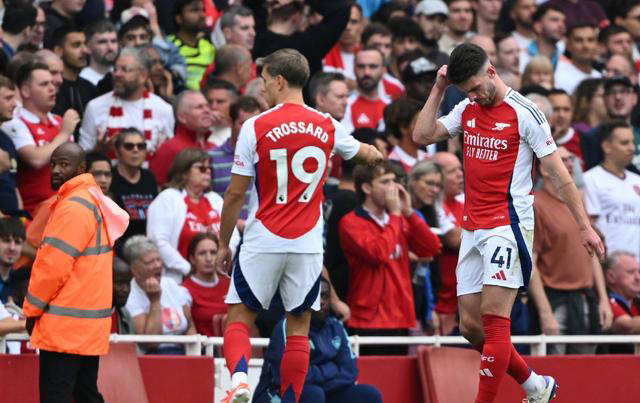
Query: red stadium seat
(448, 374)
(119, 376)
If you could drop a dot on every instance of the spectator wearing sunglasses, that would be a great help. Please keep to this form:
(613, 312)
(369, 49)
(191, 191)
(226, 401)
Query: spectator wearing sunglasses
(184, 209)
(132, 186)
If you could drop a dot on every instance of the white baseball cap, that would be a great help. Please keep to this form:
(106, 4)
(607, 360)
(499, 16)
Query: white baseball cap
(431, 7)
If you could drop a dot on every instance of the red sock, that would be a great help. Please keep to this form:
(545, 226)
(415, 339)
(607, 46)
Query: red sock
(517, 369)
(496, 354)
(237, 348)
(293, 368)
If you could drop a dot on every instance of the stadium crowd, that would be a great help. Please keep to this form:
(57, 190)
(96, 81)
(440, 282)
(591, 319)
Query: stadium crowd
(156, 92)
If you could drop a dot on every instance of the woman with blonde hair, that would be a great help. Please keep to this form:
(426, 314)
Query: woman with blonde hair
(185, 208)
(539, 71)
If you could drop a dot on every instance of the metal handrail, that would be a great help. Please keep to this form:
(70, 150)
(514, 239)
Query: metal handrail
(194, 344)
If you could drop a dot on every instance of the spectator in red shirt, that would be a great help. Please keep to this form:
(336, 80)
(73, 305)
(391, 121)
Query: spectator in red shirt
(563, 133)
(376, 238)
(194, 119)
(207, 289)
(622, 273)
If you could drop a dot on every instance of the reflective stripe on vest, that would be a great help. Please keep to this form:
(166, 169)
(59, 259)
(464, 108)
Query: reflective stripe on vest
(71, 312)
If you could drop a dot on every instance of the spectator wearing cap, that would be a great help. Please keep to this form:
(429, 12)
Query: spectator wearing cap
(130, 104)
(458, 25)
(619, 99)
(521, 14)
(611, 190)
(75, 92)
(59, 13)
(194, 120)
(622, 273)
(487, 13)
(341, 57)
(582, 46)
(102, 42)
(189, 18)
(379, 36)
(398, 118)
(282, 26)
(419, 76)
(578, 11)
(549, 26)
(572, 300)
(432, 16)
(365, 107)
(17, 25)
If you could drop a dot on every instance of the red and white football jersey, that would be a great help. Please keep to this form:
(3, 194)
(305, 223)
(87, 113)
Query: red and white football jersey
(391, 87)
(287, 149)
(499, 143)
(363, 112)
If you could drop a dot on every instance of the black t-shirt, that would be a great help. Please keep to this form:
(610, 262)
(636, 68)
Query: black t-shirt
(135, 199)
(8, 198)
(337, 206)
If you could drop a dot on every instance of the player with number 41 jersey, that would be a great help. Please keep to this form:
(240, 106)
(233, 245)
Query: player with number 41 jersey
(283, 153)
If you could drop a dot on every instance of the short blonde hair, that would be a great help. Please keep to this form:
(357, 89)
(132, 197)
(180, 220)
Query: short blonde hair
(536, 63)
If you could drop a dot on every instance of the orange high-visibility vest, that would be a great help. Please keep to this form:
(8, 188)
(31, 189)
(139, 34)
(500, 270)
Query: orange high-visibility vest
(70, 288)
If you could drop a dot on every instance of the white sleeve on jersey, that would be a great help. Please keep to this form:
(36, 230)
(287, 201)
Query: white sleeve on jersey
(453, 121)
(344, 143)
(591, 201)
(245, 154)
(536, 131)
(19, 133)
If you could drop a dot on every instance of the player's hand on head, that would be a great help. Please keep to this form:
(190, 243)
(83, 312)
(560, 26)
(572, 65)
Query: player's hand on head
(223, 260)
(441, 78)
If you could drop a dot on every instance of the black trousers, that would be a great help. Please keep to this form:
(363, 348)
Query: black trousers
(68, 377)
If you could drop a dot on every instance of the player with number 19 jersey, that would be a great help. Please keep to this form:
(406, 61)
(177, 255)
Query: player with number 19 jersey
(286, 149)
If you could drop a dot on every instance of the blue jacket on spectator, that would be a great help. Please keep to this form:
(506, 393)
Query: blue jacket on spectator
(332, 362)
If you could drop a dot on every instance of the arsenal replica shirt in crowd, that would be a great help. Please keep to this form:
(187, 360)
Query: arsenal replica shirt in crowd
(499, 143)
(363, 112)
(286, 150)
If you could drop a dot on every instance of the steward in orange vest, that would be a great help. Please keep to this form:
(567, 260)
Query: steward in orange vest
(69, 298)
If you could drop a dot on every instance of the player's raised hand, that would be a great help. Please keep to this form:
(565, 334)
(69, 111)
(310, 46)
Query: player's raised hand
(441, 78)
(592, 242)
(223, 260)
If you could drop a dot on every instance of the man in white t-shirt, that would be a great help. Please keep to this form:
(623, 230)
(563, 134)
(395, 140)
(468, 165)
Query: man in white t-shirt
(128, 105)
(612, 193)
(102, 41)
(156, 303)
(582, 44)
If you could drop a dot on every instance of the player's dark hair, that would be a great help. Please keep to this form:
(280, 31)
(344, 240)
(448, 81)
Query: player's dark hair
(288, 63)
(465, 61)
(606, 129)
(363, 174)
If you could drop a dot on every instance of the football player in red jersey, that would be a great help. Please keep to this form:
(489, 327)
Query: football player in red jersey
(502, 133)
(283, 153)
